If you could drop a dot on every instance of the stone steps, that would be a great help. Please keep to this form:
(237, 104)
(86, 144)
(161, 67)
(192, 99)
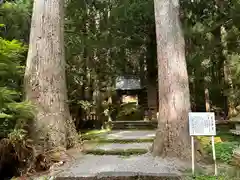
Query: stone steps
(129, 134)
(119, 149)
(122, 168)
(123, 147)
(140, 125)
(121, 160)
(123, 143)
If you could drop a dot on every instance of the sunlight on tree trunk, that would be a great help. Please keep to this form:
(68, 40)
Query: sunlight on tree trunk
(206, 92)
(232, 111)
(45, 82)
(207, 100)
(172, 138)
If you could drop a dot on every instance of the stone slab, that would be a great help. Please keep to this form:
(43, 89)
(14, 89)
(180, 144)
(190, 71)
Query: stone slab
(93, 165)
(123, 147)
(130, 134)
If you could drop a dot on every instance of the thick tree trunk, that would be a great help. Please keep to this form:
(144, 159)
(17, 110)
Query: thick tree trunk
(172, 138)
(45, 82)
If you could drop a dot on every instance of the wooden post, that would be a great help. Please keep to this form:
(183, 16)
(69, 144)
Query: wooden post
(193, 158)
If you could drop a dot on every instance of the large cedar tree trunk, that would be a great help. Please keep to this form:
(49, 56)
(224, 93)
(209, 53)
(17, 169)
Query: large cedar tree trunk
(45, 81)
(172, 138)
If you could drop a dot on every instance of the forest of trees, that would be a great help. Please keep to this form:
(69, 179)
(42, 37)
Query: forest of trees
(59, 62)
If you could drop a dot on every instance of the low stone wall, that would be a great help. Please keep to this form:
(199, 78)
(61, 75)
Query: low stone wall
(224, 125)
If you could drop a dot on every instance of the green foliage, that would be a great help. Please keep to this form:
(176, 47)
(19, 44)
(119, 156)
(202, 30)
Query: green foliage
(16, 18)
(204, 177)
(224, 150)
(14, 112)
(129, 111)
(14, 24)
(104, 39)
(11, 69)
(212, 35)
(94, 134)
(86, 105)
(12, 109)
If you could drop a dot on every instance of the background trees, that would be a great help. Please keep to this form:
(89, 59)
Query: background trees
(105, 39)
(209, 30)
(211, 51)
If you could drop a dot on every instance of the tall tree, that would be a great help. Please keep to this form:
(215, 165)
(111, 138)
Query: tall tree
(172, 137)
(45, 82)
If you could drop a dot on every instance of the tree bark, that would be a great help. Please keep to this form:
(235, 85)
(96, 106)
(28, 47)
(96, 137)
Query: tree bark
(172, 138)
(45, 81)
(232, 111)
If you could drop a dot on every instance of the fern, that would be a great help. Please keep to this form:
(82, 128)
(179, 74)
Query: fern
(12, 109)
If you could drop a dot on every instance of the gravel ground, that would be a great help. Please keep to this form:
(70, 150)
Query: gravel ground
(135, 134)
(116, 146)
(93, 165)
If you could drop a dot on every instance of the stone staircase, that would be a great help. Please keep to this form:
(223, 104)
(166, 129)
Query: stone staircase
(121, 155)
(123, 143)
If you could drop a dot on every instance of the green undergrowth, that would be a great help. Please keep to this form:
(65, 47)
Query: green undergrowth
(224, 150)
(119, 152)
(221, 177)
(225, 172)
(225, 143)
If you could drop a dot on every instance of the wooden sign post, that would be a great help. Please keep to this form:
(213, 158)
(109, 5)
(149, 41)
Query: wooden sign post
(202, 124)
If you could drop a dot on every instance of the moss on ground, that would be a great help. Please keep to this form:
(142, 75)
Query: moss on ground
(93, 134)
(121, 141)
(119, 152)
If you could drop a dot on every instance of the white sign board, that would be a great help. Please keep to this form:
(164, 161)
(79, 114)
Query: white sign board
(202, 124)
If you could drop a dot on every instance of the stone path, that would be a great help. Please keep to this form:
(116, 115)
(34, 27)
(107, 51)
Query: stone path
(130, 134)
(91, 165)
(117, 146)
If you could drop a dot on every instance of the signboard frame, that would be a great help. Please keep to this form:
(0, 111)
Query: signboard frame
(202, 124)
